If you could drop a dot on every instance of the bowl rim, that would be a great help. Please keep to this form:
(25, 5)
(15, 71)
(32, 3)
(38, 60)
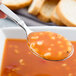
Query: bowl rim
(53, 27)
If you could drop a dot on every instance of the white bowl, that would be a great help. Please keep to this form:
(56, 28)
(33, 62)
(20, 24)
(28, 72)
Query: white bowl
(19, 33)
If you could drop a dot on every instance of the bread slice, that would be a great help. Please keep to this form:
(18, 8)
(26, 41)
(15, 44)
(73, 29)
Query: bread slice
(35, 7)
(16, 4)
(55, 19)
(46, 10)
(66, 11)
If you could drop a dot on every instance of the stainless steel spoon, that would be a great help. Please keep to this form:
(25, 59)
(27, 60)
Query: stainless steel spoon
(15, 18)
(21, 23)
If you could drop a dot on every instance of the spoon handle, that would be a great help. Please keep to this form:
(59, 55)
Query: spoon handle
(15, 18)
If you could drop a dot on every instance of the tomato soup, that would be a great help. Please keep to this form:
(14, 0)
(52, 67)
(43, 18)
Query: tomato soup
(49, 45)
(18, 60)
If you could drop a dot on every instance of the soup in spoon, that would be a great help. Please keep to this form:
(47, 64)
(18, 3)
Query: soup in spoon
(49, 45)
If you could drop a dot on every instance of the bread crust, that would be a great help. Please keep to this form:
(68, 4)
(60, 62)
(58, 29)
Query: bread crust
(62, 16)
(18, 5)
(46, 10)
(55, 19)
(34, 9)
(43, 18)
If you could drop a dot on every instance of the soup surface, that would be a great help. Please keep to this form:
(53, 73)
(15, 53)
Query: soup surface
(18, 60)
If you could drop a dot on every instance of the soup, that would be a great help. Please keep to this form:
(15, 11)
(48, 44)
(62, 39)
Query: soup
(18, 60)
(49, 45)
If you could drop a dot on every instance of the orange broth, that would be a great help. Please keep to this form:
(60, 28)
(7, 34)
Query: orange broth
(49, 45)
(18, 60)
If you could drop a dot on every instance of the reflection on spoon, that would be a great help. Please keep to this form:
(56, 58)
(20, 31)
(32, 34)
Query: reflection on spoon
(47, 45)
(2, 15)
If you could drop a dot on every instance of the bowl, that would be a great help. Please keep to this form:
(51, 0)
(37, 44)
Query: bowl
(19, 33)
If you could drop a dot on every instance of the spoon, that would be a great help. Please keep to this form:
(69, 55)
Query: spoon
(40, 42)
